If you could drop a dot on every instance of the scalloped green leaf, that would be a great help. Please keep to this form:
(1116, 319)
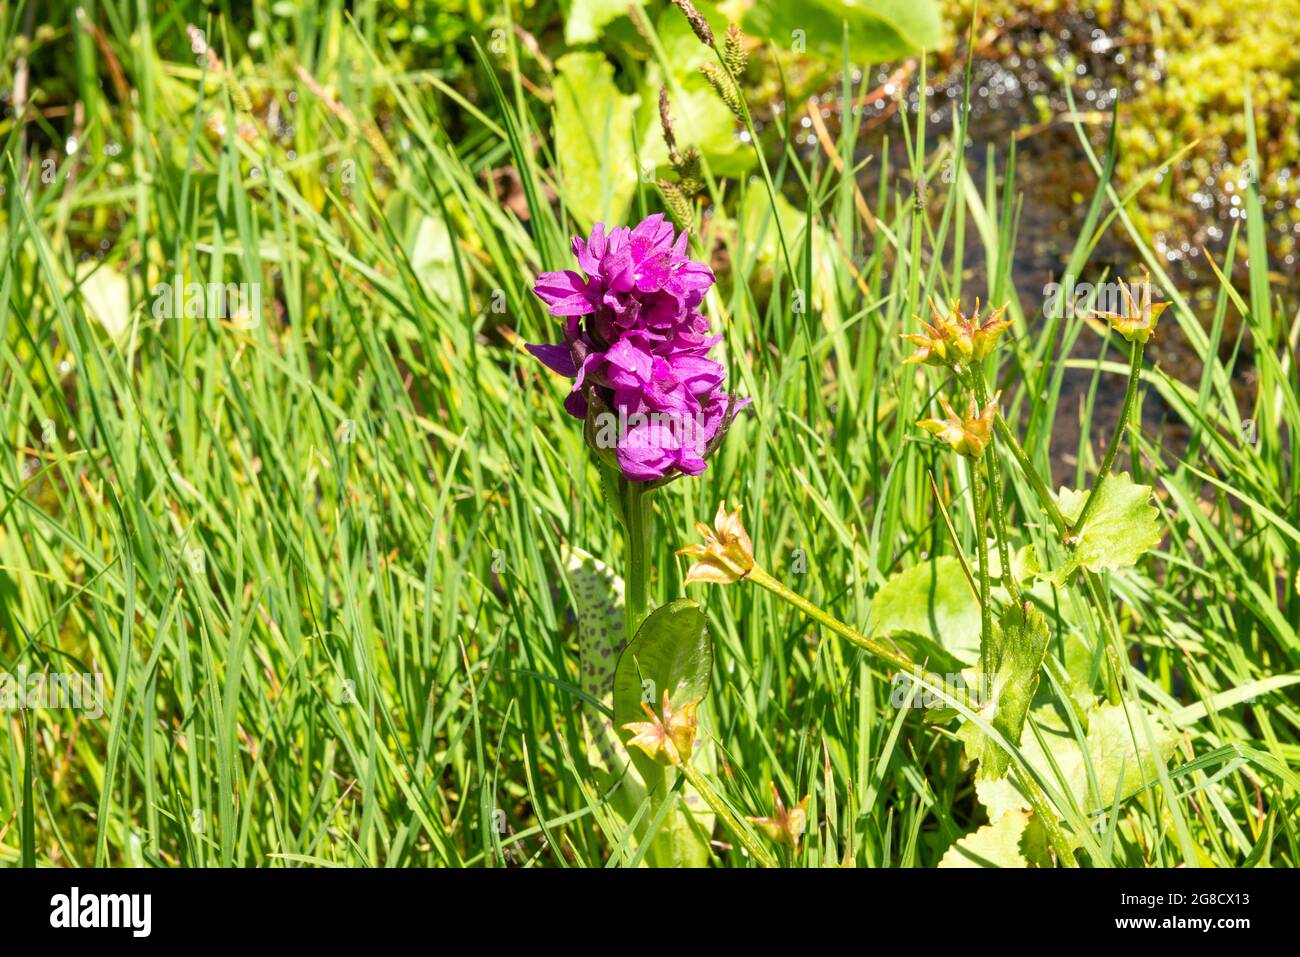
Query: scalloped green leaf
(586, 18)
(930, 611)
(1123, 525)
(1018, 644)
(994, 845)
(1110, 767)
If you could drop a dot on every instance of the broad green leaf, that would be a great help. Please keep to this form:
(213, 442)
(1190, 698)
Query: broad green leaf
(583, 22)
(106, 296)
(999, 796)
(930, 610)
(593, 139)
(993, 845)
(1019, 641)
(1120, 767)
(877, 29)
(1122, 526)
(700, 119)
(432, 258)
(671, 651)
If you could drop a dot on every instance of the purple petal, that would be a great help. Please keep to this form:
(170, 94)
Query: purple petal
(575, 403)
(556, 357)
(564, 292)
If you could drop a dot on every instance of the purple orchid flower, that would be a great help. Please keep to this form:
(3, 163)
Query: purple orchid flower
(636, 345)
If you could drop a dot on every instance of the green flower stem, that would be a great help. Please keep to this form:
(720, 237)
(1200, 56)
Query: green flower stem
(638, 516)
(896, 658)
(1111, 638)
(1043, 808)
(982, 543)
(1113, 644)
(1045, 496)
(1130, 396)
(733, 823)
(757, 147)
(995, 494)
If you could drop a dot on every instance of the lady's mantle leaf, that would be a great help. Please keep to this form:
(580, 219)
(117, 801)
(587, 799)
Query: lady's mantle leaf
(1113, 768)
(1019, 642)
(993, 845)
(1122, 526)
(878, 29)
(931, 610)
(586, 19)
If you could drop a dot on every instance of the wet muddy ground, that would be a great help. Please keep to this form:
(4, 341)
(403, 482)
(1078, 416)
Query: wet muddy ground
(1018, 98)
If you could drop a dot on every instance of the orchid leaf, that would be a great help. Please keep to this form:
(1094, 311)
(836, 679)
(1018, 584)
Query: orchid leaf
(598, 592)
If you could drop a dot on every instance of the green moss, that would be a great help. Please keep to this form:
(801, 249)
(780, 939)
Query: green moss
(1185, 68)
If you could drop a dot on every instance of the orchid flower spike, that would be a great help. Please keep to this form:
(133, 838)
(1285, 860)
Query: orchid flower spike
(636, 346)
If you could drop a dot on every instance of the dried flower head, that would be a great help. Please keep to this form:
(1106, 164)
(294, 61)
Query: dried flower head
(1136, 319)
(669, 740)
(784, 827)
(696, 20)
(955, 339)
(666, 123)
(968, 435)
(727, 554)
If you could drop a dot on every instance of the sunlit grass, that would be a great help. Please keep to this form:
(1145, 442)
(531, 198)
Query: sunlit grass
(318, 558)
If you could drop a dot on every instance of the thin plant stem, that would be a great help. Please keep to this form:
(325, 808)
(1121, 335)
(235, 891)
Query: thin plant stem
(1045, 496)
(760, 577)
(982, 544)
(638, 516)
(1130, 395)
(1043, 808)
(734, 824)
(995, 495)
(1110, 636)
